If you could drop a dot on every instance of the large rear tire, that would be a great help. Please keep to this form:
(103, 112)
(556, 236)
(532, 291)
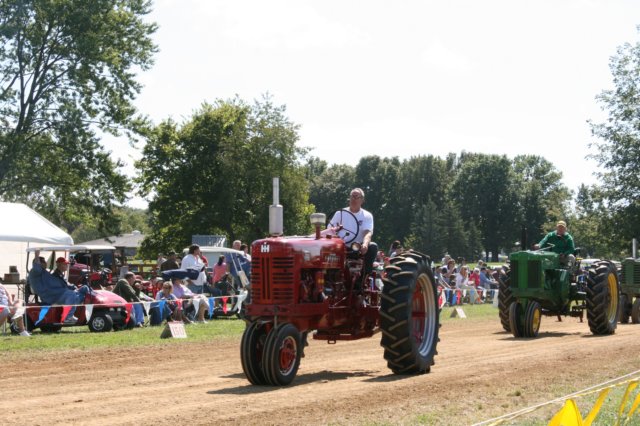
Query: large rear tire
(532, 319)
(281, 356)
(603, 296)
(251, 349)
(505, 298)
(635, 311)
(409, 314)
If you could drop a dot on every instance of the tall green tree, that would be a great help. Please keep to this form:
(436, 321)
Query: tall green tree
(329, 186)
(484, 188)
(619, 140)
(68, 72)
(213, 174)
(542, 196)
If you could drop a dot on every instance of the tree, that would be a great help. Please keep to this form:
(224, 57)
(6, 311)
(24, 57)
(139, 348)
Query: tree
(329, 187)
(619, 144)
(542, 196)
(213, 174)
(67, 72)
(484, 188)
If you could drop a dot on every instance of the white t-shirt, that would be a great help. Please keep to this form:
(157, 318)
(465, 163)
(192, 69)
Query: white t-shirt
(365, 223)
(192, 262)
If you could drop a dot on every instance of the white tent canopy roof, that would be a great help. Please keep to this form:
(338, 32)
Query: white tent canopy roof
(20, 223)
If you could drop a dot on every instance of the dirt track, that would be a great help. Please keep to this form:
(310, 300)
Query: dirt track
(480, 372)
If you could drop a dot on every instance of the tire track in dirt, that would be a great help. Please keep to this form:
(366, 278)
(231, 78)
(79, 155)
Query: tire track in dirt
(480, 372)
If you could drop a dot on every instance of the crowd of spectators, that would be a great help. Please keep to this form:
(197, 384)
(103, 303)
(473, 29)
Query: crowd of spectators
(462, 284)
(184, 299)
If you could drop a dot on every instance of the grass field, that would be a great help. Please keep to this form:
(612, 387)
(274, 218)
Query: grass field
(82, 338)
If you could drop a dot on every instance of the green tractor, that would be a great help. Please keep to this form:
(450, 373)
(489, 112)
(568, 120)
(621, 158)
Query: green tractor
(537, 284)
(630, 288)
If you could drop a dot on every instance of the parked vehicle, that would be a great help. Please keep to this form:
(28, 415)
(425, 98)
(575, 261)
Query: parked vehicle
(107, 311)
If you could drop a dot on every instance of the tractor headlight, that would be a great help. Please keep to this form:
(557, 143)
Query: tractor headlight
(318, 219)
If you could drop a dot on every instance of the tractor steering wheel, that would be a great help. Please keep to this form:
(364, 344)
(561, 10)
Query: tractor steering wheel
(349, 226)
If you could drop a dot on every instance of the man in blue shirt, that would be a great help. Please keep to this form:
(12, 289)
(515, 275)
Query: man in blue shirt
(53, 288)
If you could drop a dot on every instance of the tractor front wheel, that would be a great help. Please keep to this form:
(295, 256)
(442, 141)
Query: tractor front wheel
(281, 356)
(505, 299)
(251, 349)
(532, 319)
(409, 314)
(603, 296)
(625, 309)
(515, 319)
(635, 311)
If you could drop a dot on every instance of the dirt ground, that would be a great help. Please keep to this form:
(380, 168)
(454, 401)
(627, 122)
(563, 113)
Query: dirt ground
(481, 372)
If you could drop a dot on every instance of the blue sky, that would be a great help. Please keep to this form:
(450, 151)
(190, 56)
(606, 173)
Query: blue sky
(400, 78)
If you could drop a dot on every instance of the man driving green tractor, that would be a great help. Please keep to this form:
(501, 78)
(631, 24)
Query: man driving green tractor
(561, 242)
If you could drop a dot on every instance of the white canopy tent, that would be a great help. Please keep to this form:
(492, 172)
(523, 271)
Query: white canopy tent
(21, 226)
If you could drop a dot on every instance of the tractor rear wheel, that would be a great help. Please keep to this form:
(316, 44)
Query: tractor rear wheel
(251, 349)
(625, 309)
(532, 319)
(409, 314)
(515, 319)
(603, 296)
(635, 311)
(281, 356)
(505, 298)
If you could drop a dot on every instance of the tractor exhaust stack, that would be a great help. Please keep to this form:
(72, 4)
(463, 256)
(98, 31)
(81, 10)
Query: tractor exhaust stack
(275, 211)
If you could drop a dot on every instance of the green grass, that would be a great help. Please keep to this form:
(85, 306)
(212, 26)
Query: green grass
(479, 311)
(81, 338)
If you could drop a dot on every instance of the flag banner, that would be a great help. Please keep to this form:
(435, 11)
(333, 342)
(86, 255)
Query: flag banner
(43, 313)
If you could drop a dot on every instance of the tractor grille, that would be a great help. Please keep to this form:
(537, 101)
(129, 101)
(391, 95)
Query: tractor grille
(514, 274)
(534, 268)
(631, 273)
(272, 280)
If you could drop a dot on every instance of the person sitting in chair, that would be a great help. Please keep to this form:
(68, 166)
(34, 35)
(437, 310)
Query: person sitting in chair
(53, 288)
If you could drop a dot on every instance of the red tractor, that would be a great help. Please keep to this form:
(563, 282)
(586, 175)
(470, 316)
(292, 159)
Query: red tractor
(316, 284)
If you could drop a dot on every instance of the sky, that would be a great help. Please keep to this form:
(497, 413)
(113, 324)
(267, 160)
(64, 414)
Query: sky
(402, 78)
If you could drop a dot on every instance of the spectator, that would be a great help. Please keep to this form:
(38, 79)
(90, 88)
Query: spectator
(395, 249)
(192, 300)
(53, 288)
(171, 306)
(170, 263)
(124, 289)
(160, 261)
(12, 309)
(474, 277)
(444, 284)
(487, 282)
(219, 269)
(193, 260)
(245, 249)
(238, 265)
(449, 272)
(462, 283)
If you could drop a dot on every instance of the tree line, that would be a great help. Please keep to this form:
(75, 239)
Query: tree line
(68, 75)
